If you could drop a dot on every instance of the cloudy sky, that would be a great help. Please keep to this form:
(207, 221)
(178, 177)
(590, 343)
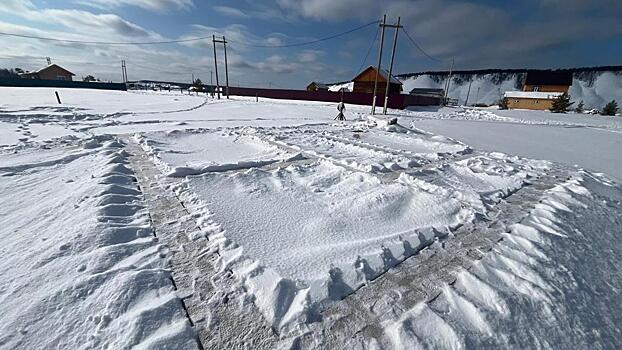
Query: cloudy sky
(478, 34)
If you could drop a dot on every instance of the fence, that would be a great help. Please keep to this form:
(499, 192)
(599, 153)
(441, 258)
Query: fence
(398, 101)
(61, 84)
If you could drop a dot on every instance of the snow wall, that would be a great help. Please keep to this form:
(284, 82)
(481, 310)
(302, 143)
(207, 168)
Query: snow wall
(594, 88)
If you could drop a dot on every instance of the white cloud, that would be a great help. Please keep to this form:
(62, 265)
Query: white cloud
(230, 11)
(152, 5)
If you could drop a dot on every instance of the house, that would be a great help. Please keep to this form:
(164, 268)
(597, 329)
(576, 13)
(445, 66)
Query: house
(548, 81)
(51, 72)
(315, 86)
(537, 100)
(364, 82)
(541, 87)
(440, 93)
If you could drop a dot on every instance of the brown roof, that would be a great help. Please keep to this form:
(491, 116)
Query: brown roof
(53, 65)
(383, 73)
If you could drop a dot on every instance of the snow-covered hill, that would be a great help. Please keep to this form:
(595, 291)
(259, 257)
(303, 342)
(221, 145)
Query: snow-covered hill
(592, 86)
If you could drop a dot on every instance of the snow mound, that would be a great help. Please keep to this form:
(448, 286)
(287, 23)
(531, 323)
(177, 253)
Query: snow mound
(541, 285)
(92, 275)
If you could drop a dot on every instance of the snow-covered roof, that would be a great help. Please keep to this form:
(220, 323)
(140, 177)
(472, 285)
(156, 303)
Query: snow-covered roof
(532, 94)
(50, 66)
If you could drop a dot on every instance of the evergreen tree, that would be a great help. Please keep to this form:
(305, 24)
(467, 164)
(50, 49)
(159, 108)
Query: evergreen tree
(610, 109)
(561, 104)
(503, 103)
(198, 85)
(580, 107)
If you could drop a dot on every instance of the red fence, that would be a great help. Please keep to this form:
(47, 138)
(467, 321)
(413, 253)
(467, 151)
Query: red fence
(398, 101)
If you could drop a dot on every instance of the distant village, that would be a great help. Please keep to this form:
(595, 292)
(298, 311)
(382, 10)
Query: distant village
(540, 89)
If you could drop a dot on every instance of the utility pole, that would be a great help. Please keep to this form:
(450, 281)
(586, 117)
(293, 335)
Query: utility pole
(373, 103)
(466, 102)
(224, 43)
(124, 71)
(216, 67)
(448, 82)
(386, 93)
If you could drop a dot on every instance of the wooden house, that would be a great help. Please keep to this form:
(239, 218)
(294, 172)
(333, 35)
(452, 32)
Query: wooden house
(364, 82)
(548, 81)
(540, 89)
(315, 86)
(51, 72)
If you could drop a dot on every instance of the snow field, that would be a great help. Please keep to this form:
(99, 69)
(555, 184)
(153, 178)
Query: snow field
(305, 231)
(82, 266)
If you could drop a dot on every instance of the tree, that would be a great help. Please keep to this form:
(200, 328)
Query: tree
(8, 73)
(89, 78)
(503, 103)
(198, 85)
(611, 108)
(561, 104)
(580, 107)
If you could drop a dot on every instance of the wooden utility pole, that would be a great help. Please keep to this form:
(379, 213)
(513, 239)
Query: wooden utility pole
(448, 83)
(124, 71)
(216, 67)
(224, 42)
(386, 93)
(373, 103)
(466, 102)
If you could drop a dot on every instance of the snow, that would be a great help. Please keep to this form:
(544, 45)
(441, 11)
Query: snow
(595, 91)
(531, 94)
(591, 142)
(82, 268)
(542, 285)
(297, 215)
(338, 87)
(181, 153)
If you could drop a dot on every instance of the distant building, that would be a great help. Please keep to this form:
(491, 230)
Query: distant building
(51, 72)
(541, 87)
(315, 86)
(536, 100)
(548, 81)
(364, 82)
(428, 92)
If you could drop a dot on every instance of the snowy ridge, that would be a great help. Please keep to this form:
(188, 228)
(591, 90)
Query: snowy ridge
(100, 269)
(516, 282)
(594, 90)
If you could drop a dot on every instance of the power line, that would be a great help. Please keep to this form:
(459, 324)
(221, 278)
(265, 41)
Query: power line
(312, 41)
(103, 42)
(369, 50)
(420, 48)
(86, 42)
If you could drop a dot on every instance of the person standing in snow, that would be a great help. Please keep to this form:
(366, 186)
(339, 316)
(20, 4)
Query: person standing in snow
(341, 107)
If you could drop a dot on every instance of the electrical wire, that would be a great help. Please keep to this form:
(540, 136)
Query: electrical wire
(312, 41)
(420, 48)
(86, 42)
(369, 50)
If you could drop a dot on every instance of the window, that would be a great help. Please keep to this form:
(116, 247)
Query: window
(60, 77)
(536, 88)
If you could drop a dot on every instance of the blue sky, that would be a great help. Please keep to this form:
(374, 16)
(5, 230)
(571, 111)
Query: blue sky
(478, 34)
